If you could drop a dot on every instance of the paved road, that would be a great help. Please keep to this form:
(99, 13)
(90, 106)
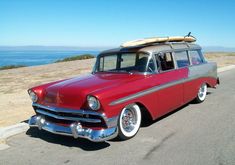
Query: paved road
(199, 134)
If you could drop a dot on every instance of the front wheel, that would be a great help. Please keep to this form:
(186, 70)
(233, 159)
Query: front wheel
(201, 96)
(129, 122)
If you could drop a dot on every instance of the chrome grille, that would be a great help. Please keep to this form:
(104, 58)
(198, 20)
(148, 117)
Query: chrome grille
(68, 114)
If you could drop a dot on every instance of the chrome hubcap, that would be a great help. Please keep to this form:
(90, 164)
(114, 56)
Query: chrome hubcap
(129, 119)
(202, 92)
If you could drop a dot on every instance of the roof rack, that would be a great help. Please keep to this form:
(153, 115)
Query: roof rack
(156, 40)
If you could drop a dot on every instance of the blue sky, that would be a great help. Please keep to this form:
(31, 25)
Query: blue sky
(94, 23)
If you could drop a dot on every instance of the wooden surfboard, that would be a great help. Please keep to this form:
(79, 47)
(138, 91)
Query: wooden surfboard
(158, 40)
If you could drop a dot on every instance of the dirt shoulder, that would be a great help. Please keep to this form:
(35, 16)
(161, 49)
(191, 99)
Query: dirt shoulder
(222, 59)
(15, 105)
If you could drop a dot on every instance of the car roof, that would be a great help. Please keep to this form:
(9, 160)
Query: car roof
(160, 47)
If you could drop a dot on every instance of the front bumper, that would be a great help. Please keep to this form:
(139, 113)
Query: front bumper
(75, 129)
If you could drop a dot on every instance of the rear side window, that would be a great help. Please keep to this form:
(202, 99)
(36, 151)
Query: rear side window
(166, 61)
(181, 59)
(196, 57)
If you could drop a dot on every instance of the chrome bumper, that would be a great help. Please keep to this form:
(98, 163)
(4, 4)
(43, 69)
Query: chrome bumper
(74, 129)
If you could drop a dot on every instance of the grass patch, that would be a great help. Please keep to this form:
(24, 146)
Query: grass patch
(11, 67)
(78, 57)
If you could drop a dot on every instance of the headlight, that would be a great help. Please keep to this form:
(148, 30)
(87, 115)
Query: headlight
(33, 96)
(93, 102)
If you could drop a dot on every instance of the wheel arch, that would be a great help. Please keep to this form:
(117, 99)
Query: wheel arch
(146, 115)
(211, 82)
(208, 84)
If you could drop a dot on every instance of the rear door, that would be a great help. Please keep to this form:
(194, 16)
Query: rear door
(170, 80)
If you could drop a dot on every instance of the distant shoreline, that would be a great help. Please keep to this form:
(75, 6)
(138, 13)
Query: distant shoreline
(71, 58)
(35, 58)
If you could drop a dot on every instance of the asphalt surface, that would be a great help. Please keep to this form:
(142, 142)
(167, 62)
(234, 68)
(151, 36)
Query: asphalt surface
(200, 134)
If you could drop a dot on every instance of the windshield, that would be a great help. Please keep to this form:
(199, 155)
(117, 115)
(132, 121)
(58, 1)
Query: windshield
(124, 62)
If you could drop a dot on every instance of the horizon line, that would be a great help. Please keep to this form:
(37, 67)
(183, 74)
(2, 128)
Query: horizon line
(90, 46)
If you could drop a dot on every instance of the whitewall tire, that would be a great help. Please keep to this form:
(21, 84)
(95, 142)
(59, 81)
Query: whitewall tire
(201, 95)
(129, 122)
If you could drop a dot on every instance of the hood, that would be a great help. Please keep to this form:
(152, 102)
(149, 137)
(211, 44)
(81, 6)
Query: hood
(72, 93)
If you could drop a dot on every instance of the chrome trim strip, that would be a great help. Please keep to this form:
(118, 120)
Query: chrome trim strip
(68, 118)
(74, 130)
(145, 92)
(195, 72)
(151, 90)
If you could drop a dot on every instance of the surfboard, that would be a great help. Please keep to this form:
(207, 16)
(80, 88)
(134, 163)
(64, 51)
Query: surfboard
(149, 41)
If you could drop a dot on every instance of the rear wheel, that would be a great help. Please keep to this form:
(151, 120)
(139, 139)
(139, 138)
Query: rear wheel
(129, 122)
(201, 96)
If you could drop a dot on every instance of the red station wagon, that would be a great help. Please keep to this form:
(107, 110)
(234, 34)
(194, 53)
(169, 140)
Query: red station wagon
(149, 77)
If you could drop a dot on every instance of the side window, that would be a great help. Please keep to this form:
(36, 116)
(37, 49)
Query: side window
(181, 59)
(165, 60)
(196, 57)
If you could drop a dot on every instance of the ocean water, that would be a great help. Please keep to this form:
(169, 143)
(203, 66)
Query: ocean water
(31, 58)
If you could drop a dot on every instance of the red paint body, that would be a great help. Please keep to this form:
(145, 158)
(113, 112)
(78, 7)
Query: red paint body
(108, 87)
